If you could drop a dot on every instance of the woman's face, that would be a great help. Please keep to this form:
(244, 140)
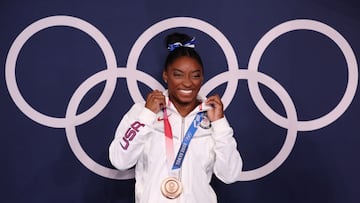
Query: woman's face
(184, 78)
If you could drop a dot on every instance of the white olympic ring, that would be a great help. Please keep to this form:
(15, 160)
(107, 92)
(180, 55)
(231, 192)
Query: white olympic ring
(110, 75)
(19, 43)
(183, 22)
(349, 57)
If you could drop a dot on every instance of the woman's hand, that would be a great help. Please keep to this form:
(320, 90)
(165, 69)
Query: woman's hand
(155, 101)
(217, 112)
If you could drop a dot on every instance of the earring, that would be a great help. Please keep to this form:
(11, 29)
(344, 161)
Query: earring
(165, 81)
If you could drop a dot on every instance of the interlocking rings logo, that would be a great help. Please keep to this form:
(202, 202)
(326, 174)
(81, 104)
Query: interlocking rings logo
(231, 77)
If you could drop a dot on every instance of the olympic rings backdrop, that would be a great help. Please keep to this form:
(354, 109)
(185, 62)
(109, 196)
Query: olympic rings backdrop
(287, 72)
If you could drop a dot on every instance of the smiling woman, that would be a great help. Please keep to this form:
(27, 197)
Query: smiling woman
(149, 143)
(288, 87)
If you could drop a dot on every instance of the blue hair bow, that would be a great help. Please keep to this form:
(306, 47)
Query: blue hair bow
(191, 44)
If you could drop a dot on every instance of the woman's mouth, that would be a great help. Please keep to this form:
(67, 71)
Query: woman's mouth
(186, 91)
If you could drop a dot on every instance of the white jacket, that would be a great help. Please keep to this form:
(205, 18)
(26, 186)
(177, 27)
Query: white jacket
(140, 141)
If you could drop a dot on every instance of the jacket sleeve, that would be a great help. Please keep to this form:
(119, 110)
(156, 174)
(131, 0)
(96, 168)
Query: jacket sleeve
(130, 137)
(228, 162)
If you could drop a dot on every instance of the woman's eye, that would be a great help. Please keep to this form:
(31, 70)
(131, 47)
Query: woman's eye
(178, 75)
(196, 76)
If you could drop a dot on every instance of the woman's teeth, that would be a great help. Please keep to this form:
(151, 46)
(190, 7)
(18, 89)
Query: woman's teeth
(186, 91)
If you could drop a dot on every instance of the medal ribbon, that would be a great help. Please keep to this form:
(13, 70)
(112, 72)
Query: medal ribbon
(168, 137)
(186, 141)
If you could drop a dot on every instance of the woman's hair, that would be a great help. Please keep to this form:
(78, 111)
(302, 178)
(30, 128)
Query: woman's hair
(180, 45)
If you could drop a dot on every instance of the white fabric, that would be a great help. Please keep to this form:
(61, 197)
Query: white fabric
(210, 151)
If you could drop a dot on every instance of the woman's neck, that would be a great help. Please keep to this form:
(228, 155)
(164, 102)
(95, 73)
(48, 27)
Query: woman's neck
(185, 108)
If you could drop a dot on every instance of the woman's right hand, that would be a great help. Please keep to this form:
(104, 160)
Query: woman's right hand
(155, 101)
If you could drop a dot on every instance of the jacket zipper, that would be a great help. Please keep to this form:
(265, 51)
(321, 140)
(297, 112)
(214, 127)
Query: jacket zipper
(181, 139)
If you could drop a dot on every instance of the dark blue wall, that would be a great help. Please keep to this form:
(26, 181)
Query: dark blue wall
(307, 75)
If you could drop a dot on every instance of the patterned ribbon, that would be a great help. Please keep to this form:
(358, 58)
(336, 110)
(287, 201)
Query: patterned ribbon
(186, 141)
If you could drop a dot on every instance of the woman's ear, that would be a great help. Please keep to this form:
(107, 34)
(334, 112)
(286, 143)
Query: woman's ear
(165, 76)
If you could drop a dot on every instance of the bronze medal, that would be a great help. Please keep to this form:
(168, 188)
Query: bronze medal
(171, 188)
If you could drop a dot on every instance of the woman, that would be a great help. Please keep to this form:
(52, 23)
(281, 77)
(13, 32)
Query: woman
(177, 139)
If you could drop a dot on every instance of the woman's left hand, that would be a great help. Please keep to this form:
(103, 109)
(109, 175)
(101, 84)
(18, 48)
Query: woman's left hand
(217, 112)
